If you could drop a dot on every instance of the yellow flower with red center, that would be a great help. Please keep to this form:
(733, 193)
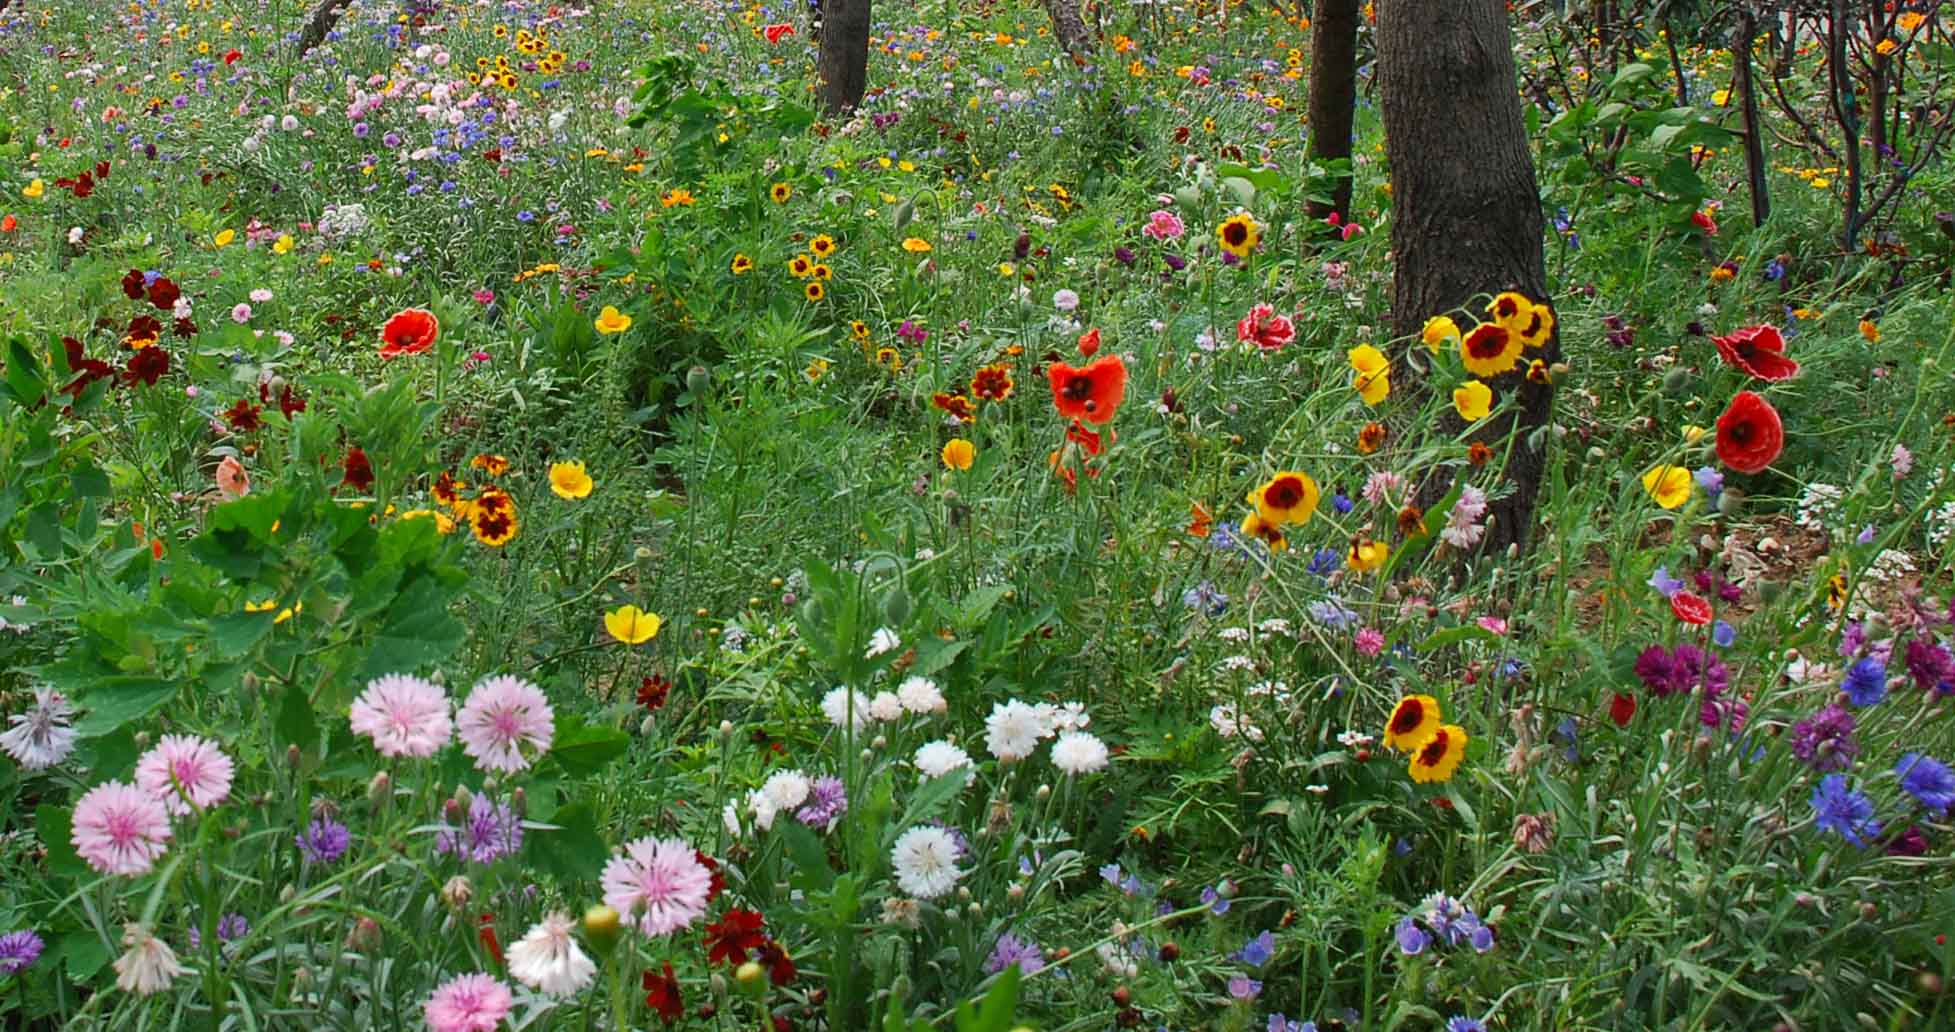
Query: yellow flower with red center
(1439, 756)
(1239, 234)
(1491, 349)
(1413, 721)
(992, 382)
(1288, 497)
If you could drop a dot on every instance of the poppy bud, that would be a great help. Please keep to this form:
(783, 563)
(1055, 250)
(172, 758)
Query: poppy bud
(698, 378)
(1928, 983)
(294, 756)
(903, 214)
(751, 978)
(1730, 502)
(601, 925)
(897, 606)
(1676, 380)
(1170, 953)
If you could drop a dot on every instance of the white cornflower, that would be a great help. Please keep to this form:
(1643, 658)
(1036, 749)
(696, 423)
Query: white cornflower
(885, 706)
(935, 759)
(1077, 752)
(837, 703)
(548, 958)
(1071, 716)
(1226, 724)
(884, 640)
(1013, 730)
(786, 789)
(926, 862)
(921, 695)
(40, 737)
(148, 965)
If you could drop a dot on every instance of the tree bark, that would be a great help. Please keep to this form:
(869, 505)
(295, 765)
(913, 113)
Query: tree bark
(1333, 94)
(844, 61)
(1466, 219)
(1070, 28)
(1761, 197)
(325, 14)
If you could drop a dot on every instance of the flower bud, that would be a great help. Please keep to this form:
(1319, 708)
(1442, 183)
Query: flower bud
(456, 892)
(698, 378)
(380, 790)
(601, 925)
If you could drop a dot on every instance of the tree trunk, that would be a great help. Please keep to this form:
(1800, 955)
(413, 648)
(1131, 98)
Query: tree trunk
(325, 14)
(1466, 219)
(1070, 28)
(844, 61)
(1333, 94)
(1761, 197)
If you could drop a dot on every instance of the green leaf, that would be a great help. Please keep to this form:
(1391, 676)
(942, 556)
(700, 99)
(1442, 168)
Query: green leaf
(584, 749)
(119, 700)
(87, 481)
(235, 633)
(55, 826)
(569, 847)
(418, 631)
(812, 872)
(296, 724)
(926, 801)
(84, 952)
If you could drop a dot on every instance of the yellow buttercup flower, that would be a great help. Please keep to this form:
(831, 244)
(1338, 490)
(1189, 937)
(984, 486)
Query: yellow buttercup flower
(916, 245)
(610, 321)
(1371, 374)
(958, 453)
(1668, 486)
(1439, 330)
(1473, 400)
(284, 244)
(34, 189)
(569, 481)
(224, 238)
(632, 625)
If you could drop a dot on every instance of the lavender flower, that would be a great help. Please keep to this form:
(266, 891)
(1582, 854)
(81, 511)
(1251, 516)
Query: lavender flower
(18, 950)
(1824, 741)
(1010, 951)
(490, 832)
(1257, 951)
(827, 801)
(323, 841)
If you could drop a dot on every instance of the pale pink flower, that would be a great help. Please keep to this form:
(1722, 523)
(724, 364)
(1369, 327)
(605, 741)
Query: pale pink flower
(1269, 330)
(1369, 641)
(148, 965)
(404, 715)
(503, 714)
(260, 296)
(469, 1003)
(232, 479)
(1902, 461)
(1492, 623)
(658, 884)
(1163, 225)
(241, 313)
(1382, 487)
(185, 771)
(120, 829)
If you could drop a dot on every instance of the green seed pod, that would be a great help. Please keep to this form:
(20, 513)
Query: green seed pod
(1675, 380)
(698, 378)
(904, 213)
(897, 606)
(1730, 502)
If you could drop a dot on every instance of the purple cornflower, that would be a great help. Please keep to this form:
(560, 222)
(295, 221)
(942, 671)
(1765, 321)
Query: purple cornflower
(18, 950)
(1929, 664)
(1257, 951)
(1928, 780)
(1839, 809)
(323, 841)
(827, 801)
(1865, 682)
(1412, 940)
(1279, 1023)
(230, 928)
(490, 832)
(1011, 950)
(1721, 711)
(1462, 1023)
(1670, 672)
(1204, 597)
(1665, 584)
(1242, 987)
(1824, 741)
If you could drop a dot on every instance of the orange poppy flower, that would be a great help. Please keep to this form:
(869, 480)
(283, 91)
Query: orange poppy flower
(410, 332)
(1092, 393)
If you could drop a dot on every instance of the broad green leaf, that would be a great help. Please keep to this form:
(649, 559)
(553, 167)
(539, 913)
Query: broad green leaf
(585, 749)
(120, 700)
(418, 631)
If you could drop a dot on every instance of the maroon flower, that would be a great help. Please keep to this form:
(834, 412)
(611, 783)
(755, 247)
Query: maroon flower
(243, 416)
(146, 366)
(163, 293)
(359, 472)
(87, 370)
(132, 285)
(737, 932)
(652, 693)
(662, 994)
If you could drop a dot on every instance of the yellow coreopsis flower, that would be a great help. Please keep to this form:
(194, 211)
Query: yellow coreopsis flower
(958, 453)
(34, 189)
(1367, 555)
(284, 244)
(1439, 330)
(1668, 486)
(610, 321)
(632, 625)
(1371, 374)
(1473, 400)
(224, 238)
(569, 481)
(1439, 756)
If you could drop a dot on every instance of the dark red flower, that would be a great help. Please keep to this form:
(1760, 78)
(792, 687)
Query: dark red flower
(87, 370)
(780, 967)
(1691, 608)
(716, 884)
(1758, 351)
(289, 402)
(662, 994)
(144, 327)
(184, 328)
(737, 932)
(411, 331)
(1749, 434)
(132, 285)
(243, 416)
(164, 293)
(1622, 709)
(487, 933)
(957, 405)
(776, 31)
(231, 56)
(359, 472)
(652, 693)
(1092, 393)
(147, 365)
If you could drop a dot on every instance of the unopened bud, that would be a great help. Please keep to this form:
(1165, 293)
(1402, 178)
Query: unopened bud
(456, 892)
(294, 757)
(380, 790)
(751, 978)
(698, 378)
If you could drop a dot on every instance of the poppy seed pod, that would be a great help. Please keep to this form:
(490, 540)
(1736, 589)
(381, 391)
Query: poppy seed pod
(897, 606)
(903, 214)
(1676, 379)
(698, 379)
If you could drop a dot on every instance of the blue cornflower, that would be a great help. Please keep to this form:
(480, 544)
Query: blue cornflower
(1412, 940)
(323, 841)
(1928, 780)
(1462, 1023)
(1325, 562)
(1279, 1023)
(1257, 951)
(1342, 503)
(1866, 682)
(1839, 809)
(1710, 480)
(1205, 598)
(1665, 584)
(1218, 904)
(1724, 634)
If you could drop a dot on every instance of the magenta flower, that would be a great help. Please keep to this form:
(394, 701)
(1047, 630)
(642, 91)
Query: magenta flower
(1163, 225)
(185, 771)
(503, 714)
(659, 884)
(469, 1003)
(404, 715)
(120, 829)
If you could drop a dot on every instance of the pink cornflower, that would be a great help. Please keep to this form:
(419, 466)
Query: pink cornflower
(659, 884)
(469, 1003)
(1369, 642)
(503, 714)
(1382, 487)
(260, 296)
(241, 313)
(185, 771)
(404, 715)
(1269, 330)
(1163, 225)
(120, 829)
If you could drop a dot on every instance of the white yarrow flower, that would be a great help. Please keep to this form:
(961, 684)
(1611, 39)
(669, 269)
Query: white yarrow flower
(926, 862)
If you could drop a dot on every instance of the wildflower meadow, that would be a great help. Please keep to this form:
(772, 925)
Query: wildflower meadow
(1244, 515)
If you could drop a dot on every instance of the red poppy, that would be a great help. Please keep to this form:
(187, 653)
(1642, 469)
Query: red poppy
(359, 471)
(957, 405)
(411, 331)
(1089, 342)
(1089, 441)
(164, 293)
(776, 31)
(1269, 330)
(1759, 351)
(8, 223)
(662, 994)
(1749, 434)
(1202, 522)
(1622, 709)
(1093, 393)
(243, 416)
(1690, 608)
(737, 932)
(231, 56)
(1702, 220)
(147, 366)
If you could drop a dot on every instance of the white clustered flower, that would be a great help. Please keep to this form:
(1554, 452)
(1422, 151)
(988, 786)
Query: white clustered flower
(1274, 625)
(1014, 729)
(549, 960)
(921, 695)
(1223, 719)
(1233, 635)
(1354, 739)
(885, 706)
(1077, 752)
(1233, 664)
(1817, 504)
(925, 860)
(1890, 566)
(935, 759)
(835, 706)
(884, 640)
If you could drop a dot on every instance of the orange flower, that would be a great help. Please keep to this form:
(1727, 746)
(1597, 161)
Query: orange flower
(1092, 393)
(1371, 437)
(992, 382)
(957, 405)
(410, 332)
(1089, 342)
(1202, 523)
